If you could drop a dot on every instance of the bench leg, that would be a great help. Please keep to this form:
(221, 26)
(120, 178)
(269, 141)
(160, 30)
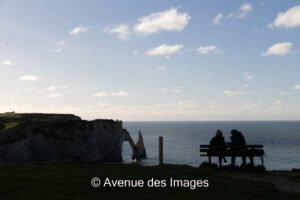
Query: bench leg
(220, 161)
(232, 160)
(262, 160)
(251, 160)
(209, 159)
(244, 160)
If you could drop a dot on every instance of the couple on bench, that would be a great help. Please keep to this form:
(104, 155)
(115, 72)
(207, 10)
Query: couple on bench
(237, 143)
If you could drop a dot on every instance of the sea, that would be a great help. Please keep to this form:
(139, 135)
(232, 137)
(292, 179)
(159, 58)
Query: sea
(182, 140)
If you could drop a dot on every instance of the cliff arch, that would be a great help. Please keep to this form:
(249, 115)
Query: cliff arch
(127, 137)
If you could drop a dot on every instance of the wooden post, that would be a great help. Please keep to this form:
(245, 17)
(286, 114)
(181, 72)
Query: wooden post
(160, 150)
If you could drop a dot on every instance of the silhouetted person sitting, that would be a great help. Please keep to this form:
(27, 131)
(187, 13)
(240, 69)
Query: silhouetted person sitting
(238, 142)
(219, 143)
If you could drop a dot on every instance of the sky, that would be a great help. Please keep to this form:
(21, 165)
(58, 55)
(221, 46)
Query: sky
(151, 60)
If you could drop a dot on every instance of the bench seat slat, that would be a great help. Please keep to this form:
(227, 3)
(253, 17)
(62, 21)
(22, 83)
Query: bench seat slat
(257, 155)
(229, 145)
(229, 150)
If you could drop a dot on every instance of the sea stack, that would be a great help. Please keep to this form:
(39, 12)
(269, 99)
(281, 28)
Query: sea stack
(140, 146)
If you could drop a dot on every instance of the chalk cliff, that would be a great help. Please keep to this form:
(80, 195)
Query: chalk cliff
(66, 138)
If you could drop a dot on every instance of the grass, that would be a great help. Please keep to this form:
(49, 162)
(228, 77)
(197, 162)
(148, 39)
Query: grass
(11, 115)
(8, 126)
(72, 181)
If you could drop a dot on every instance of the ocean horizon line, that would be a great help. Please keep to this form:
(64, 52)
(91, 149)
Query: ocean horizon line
(297, 120)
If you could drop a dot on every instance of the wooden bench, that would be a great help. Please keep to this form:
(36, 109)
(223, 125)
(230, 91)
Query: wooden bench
(232, 151)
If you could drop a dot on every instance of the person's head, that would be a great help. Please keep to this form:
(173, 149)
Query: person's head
(234, 131)
(219, 132)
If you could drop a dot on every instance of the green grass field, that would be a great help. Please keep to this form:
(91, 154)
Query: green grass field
(11, 115)
(8, 126)
(72, 181)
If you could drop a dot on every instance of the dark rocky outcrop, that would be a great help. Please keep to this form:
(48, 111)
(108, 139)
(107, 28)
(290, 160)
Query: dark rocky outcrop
(140, 146)
(66, 137)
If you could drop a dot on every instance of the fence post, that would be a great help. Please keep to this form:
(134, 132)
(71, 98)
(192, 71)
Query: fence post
(160, 150)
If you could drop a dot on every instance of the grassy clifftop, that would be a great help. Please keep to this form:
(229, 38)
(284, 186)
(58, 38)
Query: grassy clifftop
(15, 126)
(11, 116)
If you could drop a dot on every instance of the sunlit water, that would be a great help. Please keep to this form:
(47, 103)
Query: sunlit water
(281, 140)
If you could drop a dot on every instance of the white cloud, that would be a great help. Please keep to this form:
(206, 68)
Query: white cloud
(246, 85)
(103, 104)
(288, 19)
(249, 77)
(168, 20)
(59, 47)
(279, 49)
(57, 50)
(232, 93)
(77, 30)
(285, 93)
(218, 51)
(164, 50)
(187, 103)
(105, 94)
(208, 49)
(29, 78)
(177, 89)
(60, 43)
(84, 50)
(100, 94)
(161, 67)
(55, 87)
(52, 87)
(54, 95)
(212, 105)
(278, 102)
(119, 93)
(252, 105)
(163, 89)
(244, 10)
(297, 87)
(217, 19)
(25, 89)
(230, 15)
(66, 87)
(135, 53)
(122, 31)
(8, 63)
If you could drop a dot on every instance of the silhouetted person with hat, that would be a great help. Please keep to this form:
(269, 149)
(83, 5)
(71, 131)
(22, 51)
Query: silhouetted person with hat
(218, 143)
(238, 142)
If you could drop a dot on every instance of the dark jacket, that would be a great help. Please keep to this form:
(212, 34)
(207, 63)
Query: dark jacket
(217, 140)
(238, 139)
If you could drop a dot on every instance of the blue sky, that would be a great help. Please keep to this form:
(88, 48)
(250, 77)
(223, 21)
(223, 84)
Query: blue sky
(151, 60)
